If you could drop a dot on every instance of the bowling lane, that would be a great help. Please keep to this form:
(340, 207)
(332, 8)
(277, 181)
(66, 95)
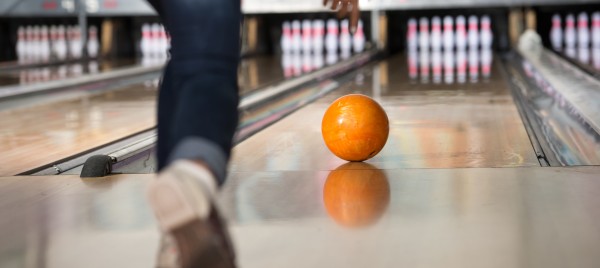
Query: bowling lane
(435, 122)
(34, 135)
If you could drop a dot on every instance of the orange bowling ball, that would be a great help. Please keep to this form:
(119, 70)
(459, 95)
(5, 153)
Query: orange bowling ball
(355, 127)
(356, 194)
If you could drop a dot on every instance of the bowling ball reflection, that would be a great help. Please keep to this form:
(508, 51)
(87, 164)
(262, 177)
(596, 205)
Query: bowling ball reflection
(356, 194)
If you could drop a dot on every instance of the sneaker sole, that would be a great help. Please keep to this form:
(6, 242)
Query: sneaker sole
(170, 203)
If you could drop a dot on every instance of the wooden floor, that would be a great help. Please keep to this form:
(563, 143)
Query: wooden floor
(60, 127)
(40, 134)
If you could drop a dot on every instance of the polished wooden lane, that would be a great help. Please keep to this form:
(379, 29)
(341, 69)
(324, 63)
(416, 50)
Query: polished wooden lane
(357, 216)
(59, 127)
(475, 124)
(36, 135)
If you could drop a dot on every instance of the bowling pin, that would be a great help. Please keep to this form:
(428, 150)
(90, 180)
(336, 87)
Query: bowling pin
(44, 44)
(29, 43)
(61, 43)
(35, 44)
(286, 37)
(358, 39)
(556, 33)
(306, 36)
(436, 65)
(461, 33)
(596, 29)
(423, 33)
(155, 43)
(473, 34)
(486, 36)
(570, 38)
(318, 33)
(296, 37)
(331, 40)
(448, 33)
(145, 41)
(92, 45)
(75, 45)
(411, 35)
(345, 40)
(583, 32)
(436, 33)
(448, 66)
(21, 44)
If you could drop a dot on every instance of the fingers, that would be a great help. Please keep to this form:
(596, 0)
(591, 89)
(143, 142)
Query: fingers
(344, 10)
(335, 4)
(354, 16)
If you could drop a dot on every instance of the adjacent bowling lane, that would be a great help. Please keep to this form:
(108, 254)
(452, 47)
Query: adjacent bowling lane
(470, 121)
(60, 125)
(32, 136)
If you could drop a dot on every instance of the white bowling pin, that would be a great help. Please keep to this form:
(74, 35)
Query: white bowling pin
(358, 39)
(570, 37)
(75, 45)
(29, 43)
(296, 36)
(436, 33)
(556, 33)
(44, 44)
(461, 33)
(307, 36)
(448, 33)
(411, 35)
(583, 32)
(596, 29)
(145, 41)
(93, 45)
(35, 44)
(473, 34)
(318, 33)
(61, 43)
(286, 37)
(331, 40)
(345, 40)
(424, 33)
(486, 35)
(21, 44)
(155, 43)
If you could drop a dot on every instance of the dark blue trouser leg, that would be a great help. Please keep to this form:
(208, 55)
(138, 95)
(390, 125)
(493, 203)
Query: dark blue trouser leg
(198, 99)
